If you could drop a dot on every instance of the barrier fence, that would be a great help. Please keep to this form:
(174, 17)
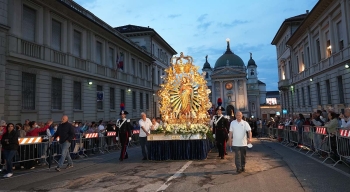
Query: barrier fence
(315, 140)
(33, 149)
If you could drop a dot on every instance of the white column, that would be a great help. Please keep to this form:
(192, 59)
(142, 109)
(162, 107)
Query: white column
(236, 95)
(222, 94)
(245, 94)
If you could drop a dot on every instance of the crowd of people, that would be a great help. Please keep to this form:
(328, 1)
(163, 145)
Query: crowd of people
(35, 155)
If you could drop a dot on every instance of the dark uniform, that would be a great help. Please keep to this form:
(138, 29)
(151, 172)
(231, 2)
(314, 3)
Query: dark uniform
(123, 132)
(220, 129)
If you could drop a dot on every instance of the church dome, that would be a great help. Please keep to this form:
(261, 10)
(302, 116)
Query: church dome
(229, 59)
(251, 61)
(206, 64)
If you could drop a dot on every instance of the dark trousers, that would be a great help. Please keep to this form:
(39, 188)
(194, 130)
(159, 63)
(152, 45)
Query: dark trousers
(221, 147)
(143, 143)
(240, 156)
(124, 141)
(9, 154)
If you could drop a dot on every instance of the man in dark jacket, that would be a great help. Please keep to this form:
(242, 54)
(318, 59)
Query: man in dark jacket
(65, 132)
(220, 131)
(124, 134)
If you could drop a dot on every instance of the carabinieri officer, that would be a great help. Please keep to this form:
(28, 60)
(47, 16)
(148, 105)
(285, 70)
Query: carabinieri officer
(220, 131)
(124, 133)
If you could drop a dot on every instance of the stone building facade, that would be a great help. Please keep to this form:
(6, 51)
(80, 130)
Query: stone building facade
(313, 55)
(58, 58)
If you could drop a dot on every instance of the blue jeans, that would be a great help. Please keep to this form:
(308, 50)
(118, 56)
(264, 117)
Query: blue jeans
(144, 145)
(240, 156)
(65, 153)
(9, 154)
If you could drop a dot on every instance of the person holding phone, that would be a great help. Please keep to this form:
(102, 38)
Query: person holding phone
(344, 116)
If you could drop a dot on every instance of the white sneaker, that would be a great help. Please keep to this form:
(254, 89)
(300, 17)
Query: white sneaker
(8, 175)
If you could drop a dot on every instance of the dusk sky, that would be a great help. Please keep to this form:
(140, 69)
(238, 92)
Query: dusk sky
(199, 28)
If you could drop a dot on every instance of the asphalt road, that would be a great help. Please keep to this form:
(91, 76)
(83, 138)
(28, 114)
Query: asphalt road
(270, 167)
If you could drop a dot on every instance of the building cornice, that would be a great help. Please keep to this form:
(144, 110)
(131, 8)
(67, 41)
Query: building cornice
(315, 13)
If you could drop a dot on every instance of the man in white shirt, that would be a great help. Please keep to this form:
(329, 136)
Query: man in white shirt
(238, 139)
(145, 129)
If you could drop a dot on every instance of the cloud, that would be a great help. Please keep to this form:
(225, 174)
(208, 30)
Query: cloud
(173, 16)
(202, 17)
(204, 26)
(232, 23)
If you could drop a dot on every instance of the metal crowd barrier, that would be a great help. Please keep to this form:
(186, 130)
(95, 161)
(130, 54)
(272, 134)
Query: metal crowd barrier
(286, 135)
(343, 145)
(307, 138)
(293, 135)
(280, 135)
(322, 142)
(270, 131)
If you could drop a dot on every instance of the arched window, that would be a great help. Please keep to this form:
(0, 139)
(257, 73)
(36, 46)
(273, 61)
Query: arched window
(207, 75)
(252, 72)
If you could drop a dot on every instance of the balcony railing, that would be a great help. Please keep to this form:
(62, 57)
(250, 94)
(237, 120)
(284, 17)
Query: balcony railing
(22, 48)
(97, 20)
(101, 70)
(58, 57)
(30, 49)
(283, 84)
(324, 64)
(79, 63)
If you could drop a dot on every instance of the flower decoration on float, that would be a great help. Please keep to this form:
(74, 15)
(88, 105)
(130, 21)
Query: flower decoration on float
(184, 98)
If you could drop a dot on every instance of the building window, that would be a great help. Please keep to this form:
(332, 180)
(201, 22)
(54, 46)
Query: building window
(133, 66)
(98, 52)
(340, 35)
(140, 69)
(147, 101)
(28, 91)
(134, 100)
(99, 90)
(328, 87)
(56, 35)
(291, 98)
(309, 95)
(340, 89)
(308, 57)
(122, 96)
(298, 99)
(318, 50)
(207, 75)
(146, 72)
(302, 60)
(154, 74)
(56, 93)
(252, 72)
(318, 93)
(110, 57)
(28, 23)
(111, 98)
(159, 78)
(298, 64)
(77, 43)
(329, 48)
(303, 95)
(141, 100)
(77, 95)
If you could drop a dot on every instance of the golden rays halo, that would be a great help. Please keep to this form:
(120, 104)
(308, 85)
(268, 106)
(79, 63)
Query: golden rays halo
(184, 95)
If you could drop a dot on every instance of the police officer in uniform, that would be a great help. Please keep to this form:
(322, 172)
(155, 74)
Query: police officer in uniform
(220, 133)
(123, 129)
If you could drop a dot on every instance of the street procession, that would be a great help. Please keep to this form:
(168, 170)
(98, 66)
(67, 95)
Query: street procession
(100, 95)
